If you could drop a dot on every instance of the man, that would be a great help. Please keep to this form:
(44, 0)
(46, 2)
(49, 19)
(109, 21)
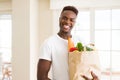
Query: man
(54, 51)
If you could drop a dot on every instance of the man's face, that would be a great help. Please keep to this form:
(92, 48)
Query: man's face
(67, 21)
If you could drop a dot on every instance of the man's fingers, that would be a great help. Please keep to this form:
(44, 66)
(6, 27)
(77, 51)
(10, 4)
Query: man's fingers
(86, 78)
(94, 76)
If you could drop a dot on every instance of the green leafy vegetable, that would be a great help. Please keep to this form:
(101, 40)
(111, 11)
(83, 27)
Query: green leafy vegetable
(80, 46)
(88, 48)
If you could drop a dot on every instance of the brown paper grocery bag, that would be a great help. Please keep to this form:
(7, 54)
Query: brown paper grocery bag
(82, 63)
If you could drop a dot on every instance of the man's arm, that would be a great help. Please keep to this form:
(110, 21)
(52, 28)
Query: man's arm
(43, 69)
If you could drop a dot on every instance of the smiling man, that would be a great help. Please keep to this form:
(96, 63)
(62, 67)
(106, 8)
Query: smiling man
(54, 51)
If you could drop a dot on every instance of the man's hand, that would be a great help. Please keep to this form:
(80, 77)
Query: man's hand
(93, 75)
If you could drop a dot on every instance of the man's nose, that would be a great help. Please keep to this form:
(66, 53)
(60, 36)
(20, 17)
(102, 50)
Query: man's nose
(68, 21)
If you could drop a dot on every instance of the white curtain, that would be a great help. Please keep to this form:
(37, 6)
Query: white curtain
(58, 4)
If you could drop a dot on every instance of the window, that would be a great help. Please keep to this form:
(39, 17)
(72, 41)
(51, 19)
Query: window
(5, 39)
(102, 27)
(82, 27)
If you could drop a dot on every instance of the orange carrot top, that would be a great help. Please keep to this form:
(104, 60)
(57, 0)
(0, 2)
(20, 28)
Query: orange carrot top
(70, 43)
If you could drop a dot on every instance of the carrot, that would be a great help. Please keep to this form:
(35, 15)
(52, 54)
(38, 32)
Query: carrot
(70, 43)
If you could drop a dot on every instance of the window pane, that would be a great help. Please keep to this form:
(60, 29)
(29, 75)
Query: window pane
(115, 65)
(104, 60)
(116, 40)
(6, 33)
(105, 64)
(83, 20)
(115, 59)
(6, 54)
(102, 19)
(83, 35)
(102, 40)
(116, 19)
(5, 39)
(82, 27)
(115, 77)
(105, 77)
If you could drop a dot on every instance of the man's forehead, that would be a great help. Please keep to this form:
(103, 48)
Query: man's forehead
(68, 12)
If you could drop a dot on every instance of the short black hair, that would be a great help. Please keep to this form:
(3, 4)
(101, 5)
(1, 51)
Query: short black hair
(71, 8)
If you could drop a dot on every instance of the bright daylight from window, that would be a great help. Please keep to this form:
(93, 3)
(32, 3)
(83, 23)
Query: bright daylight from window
(104, 32)
(5, 45)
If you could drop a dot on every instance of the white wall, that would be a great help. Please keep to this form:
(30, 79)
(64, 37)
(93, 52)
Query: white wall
(46, 20)
(25, 39)
(34, 37)
(20, 40)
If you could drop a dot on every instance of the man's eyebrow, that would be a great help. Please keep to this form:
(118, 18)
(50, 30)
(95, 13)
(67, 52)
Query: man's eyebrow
(73, 18)
(67, 17)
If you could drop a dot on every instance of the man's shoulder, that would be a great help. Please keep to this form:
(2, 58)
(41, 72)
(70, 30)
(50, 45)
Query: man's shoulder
(50, 39)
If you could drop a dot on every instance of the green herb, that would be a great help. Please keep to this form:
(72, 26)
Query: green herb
(88, 48)
(80, 46)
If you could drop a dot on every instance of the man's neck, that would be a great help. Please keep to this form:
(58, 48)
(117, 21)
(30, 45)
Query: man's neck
(64, 35)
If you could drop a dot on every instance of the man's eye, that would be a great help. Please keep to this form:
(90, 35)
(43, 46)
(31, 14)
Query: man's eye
(72, 20)
(64, 18)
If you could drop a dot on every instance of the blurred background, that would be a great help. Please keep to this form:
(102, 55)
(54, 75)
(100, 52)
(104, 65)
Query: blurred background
(25, 24)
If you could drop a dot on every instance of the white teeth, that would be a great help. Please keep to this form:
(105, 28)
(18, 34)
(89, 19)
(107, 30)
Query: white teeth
(66, 26)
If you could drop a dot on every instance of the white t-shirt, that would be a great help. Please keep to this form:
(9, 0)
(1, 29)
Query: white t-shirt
(55, 49)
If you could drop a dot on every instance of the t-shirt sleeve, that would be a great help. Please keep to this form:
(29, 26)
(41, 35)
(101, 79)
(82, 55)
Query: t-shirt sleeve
(45, 51)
